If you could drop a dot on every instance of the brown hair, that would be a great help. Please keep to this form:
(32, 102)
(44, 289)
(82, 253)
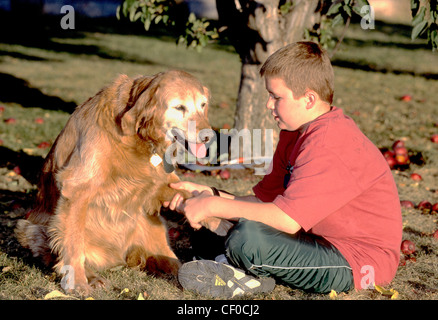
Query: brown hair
(302, 65)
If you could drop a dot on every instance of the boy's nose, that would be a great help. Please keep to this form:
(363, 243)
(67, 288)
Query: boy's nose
(269, 104)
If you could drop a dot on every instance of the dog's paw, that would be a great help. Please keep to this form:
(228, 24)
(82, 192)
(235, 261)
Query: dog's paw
(217, 225)
(97, 282)
(160, 265)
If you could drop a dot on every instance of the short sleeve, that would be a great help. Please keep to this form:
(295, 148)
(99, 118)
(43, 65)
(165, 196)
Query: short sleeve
(320, 184)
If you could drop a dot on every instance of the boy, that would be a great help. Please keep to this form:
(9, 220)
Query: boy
(328, 215)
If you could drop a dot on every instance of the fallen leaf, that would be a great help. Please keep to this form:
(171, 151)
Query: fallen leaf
(333, 295)
(395, 294)
(384, 292)
(126, 290)
(55, 294)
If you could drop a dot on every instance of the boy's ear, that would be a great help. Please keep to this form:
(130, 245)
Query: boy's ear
(311, 98)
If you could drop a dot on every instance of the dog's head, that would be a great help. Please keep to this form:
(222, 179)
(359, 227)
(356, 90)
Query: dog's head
(172, 103)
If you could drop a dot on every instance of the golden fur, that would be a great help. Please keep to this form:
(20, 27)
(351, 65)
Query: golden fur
(99, 196)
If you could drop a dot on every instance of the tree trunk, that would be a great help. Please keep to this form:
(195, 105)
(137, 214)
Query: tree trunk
(257, 29)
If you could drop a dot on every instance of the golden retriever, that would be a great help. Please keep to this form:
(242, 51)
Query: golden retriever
(104, 180)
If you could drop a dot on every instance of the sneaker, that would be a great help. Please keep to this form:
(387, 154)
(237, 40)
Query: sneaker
(215, 279)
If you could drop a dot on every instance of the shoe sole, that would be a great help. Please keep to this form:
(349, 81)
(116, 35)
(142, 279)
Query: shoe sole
(215, 279)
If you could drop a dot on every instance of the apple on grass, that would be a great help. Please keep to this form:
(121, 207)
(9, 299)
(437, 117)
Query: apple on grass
(424, 205)
(434, 138)
(397, 144)
(406, 98)
(10, 120)
(407, 247)
(407, 204)
(44, 145)
(391, 162)
(225, 174)
(416, 177)
(17, 170)
(174, 233)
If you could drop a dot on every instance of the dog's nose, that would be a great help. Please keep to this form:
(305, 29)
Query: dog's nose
(206, 135)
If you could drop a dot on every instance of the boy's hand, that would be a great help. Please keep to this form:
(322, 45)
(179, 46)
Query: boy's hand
(196, 209)
(177, 202)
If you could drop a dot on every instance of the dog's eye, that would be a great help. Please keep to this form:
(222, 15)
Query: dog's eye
(203, 105)
(181, 108)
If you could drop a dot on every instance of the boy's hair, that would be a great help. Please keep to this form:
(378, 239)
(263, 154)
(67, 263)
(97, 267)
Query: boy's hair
(302, 65)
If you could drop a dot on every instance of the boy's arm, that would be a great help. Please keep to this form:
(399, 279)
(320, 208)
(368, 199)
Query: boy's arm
(205, 206)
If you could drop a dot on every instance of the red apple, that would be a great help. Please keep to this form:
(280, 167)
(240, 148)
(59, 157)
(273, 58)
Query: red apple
(39, 120)
(388, 154)
(407, 247)
(435, 207)
(434, 138)
(406, 98)
(225, 174)
(402, 261)
(400, 150)
(214, 173)
(424, 205)
(402, 159)
(416, 177)
(44, 145)
(407, 204)
(174, 233)
(2, 108)
(435, 234)
(10, 120)
(398, 144)
(391, 162)
(17, 170)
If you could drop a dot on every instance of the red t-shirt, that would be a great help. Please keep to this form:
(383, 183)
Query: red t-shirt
(342, 189)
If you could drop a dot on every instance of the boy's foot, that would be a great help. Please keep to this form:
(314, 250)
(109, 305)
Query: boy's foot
(215, 279)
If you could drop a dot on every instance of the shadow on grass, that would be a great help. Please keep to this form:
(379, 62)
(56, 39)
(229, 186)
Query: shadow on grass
(41, 32)
(14, 204)
(364, 66)
(20, 91)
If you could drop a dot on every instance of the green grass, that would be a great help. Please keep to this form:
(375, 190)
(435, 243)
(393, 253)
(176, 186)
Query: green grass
(48, 78)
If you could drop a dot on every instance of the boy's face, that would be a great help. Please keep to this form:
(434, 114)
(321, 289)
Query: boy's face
(290, 113)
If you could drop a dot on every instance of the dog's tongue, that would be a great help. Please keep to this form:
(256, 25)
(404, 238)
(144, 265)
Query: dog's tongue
(198, 149)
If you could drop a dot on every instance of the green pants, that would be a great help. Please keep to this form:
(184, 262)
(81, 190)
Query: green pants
(302, 261)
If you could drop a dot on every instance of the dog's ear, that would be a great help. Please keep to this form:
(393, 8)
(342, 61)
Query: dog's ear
(127, 120)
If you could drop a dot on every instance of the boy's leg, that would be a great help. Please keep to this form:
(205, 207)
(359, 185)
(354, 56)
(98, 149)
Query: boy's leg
(217, 279)
(302, 261)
